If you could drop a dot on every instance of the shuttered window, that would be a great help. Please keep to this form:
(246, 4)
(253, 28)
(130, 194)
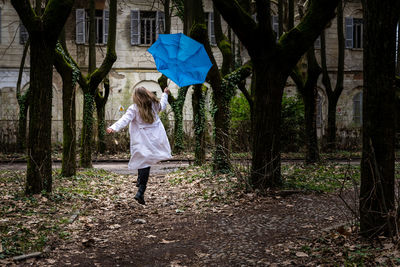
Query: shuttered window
(209, 20)
(145, 26)
(211, 30)
(106, 19)
(80, 26)
(317, 43)
(275, 26)
(135, 29)
(0, 25)
(101, 26)
(23, 33)
(354, 32)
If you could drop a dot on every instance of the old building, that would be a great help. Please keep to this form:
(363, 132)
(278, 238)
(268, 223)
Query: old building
(138, 25)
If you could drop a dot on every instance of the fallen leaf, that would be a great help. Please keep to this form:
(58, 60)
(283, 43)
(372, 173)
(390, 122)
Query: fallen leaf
(88, 242)
(301, 254)
(1, 248)
(168, 241)
(139, 221)
(51, 261)
(115, 226)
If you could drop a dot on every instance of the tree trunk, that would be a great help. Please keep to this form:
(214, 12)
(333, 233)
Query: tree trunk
(39, 176)
(331, 126)
(87, 131)
(221, 99)
(101, 101)
(69, 74)
(68, 167)
(310, 115)
(43, 33)
(23, 102)
(101, 128)
(377, 204)
(266, 168)
(177, 108)
(200, 127)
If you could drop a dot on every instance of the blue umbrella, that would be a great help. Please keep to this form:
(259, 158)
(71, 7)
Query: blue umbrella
(180, 58)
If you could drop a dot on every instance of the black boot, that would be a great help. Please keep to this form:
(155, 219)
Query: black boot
(143, 177)
(140, 194)
(138, 181)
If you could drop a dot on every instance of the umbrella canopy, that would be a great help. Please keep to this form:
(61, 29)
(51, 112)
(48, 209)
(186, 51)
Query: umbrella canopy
(180, 58)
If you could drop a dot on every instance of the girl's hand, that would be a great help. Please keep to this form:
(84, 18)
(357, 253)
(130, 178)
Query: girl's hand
(166, 90)
(109, 130)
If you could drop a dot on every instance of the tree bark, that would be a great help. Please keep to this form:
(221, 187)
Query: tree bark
(23, 103)
(377, 204)
(43, 33)
(200, 127)
(177, 107)
(69, 74)
(101, 101)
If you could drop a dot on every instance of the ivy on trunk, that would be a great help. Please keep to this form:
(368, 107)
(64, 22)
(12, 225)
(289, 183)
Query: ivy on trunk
(272, 62)
(89, 84)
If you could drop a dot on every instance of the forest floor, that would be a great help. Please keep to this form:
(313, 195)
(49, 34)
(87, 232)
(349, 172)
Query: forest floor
(191, 218)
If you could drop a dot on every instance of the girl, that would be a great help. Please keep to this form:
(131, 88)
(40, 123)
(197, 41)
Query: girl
(148, 139)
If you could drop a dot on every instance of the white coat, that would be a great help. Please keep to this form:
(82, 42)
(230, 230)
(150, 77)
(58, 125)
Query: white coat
(148, 142)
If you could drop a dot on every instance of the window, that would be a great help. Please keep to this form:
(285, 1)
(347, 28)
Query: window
(319, 111)
(317, 43)
(354, 32)
(82, 26)
(275, 25)
(145, 26)
(357, 108)
(209, 16)
(23, 33)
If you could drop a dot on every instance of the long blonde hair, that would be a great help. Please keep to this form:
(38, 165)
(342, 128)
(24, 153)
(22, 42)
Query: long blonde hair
(144, 100)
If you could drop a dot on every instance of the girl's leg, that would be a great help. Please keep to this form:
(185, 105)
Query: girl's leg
(143, 177)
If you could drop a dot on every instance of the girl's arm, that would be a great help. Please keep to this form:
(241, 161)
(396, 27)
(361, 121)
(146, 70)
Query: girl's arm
(123, 121)
(164, 99)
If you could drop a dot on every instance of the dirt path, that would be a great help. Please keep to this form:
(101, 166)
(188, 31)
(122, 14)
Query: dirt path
(120, 167)
(177, 228)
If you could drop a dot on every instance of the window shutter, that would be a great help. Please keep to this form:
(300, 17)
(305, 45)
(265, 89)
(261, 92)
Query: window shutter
(0, 25)
(254, 17)
(80, 26)
(275, 25)
(160, 28)
(211, 30)
(106, 16)
(317, 43)
(23, 33)
(135, 27)
(349, 32)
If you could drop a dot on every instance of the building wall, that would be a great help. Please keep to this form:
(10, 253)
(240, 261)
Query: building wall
(135, 66)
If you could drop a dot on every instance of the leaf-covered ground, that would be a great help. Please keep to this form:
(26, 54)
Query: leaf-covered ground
(192, 218)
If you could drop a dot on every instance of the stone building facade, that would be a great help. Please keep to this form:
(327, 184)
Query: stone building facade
(138, 24)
